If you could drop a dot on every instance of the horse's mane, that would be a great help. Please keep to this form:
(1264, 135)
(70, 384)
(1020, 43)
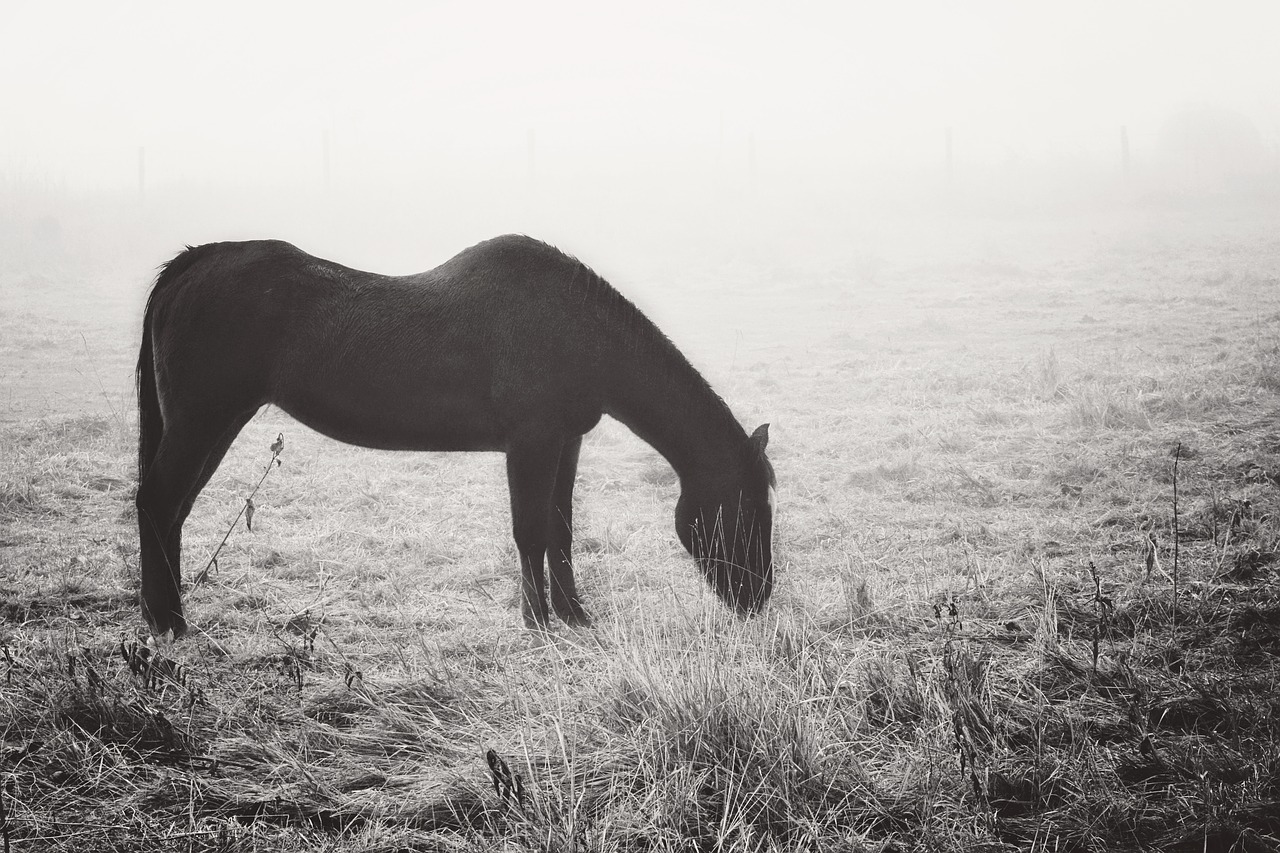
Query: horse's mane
(634, 331)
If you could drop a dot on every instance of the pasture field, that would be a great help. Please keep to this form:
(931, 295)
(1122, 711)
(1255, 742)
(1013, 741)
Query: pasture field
(989, 632)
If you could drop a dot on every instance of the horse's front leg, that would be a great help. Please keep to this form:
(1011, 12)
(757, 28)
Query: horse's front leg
(564, 592)
(531, 477)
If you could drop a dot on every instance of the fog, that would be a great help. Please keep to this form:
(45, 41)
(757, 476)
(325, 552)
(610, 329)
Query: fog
(393, 136)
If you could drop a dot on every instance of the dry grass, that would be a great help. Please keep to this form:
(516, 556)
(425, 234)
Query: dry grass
(975, 644)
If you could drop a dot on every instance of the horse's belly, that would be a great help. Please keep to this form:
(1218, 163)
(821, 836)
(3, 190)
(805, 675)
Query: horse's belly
(402, 424)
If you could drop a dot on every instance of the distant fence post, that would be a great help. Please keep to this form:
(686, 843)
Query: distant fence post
(720, 143)
(324, 154)
(949, 162)
(533, 158)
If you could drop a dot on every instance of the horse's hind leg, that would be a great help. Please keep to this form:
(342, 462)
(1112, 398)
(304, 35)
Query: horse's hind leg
(212, 461)
(564, 592)
(531, 476)
(186, 458)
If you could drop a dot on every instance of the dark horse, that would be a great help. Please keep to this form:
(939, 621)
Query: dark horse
(511, 345)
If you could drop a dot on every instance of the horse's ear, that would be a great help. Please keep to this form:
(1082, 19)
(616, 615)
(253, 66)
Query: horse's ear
(759, 441)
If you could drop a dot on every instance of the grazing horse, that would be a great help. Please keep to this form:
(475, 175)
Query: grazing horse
(510, 346)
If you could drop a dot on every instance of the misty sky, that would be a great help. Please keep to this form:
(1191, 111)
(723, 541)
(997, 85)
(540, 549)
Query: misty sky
(247, 91)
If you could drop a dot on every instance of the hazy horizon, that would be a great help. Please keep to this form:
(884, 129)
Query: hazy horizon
(394, 136)
(253, 95)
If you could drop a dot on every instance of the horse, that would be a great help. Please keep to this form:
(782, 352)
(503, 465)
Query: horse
(510, 346)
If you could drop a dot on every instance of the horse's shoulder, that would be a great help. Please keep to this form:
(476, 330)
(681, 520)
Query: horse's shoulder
(517, 242)
(501, 265)
(520, 249)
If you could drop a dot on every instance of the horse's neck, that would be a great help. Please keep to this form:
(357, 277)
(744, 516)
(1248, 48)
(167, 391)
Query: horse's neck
(664, 401)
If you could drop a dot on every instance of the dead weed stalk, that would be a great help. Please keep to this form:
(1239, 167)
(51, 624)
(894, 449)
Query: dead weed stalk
(246, 512)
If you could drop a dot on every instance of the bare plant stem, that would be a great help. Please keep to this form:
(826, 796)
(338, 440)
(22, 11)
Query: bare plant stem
(115, 416)
(1177, 454)
(276, 450)
(4, 818)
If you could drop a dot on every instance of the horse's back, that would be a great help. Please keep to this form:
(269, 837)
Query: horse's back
(510, 270)
(452, 358)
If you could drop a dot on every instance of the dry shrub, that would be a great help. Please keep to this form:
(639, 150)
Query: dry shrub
(732, 752)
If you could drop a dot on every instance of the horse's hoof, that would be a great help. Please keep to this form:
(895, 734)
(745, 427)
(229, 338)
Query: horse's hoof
(167, 633)
(577, 620)
(533, 623)
(571, 613)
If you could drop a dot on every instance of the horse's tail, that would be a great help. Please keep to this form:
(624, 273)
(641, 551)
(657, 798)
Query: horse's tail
(150, 420)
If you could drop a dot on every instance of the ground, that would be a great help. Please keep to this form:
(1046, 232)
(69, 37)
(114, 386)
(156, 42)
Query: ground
(1027, 474)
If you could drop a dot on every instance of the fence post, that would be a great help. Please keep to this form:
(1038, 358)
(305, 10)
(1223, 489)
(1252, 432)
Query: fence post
(950, 159)
(533, 162)
(324, 154)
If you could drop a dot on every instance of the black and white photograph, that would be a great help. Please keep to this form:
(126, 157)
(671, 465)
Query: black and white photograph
(453, 427)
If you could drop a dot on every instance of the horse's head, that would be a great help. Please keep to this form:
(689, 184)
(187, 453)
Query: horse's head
(727, 525)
